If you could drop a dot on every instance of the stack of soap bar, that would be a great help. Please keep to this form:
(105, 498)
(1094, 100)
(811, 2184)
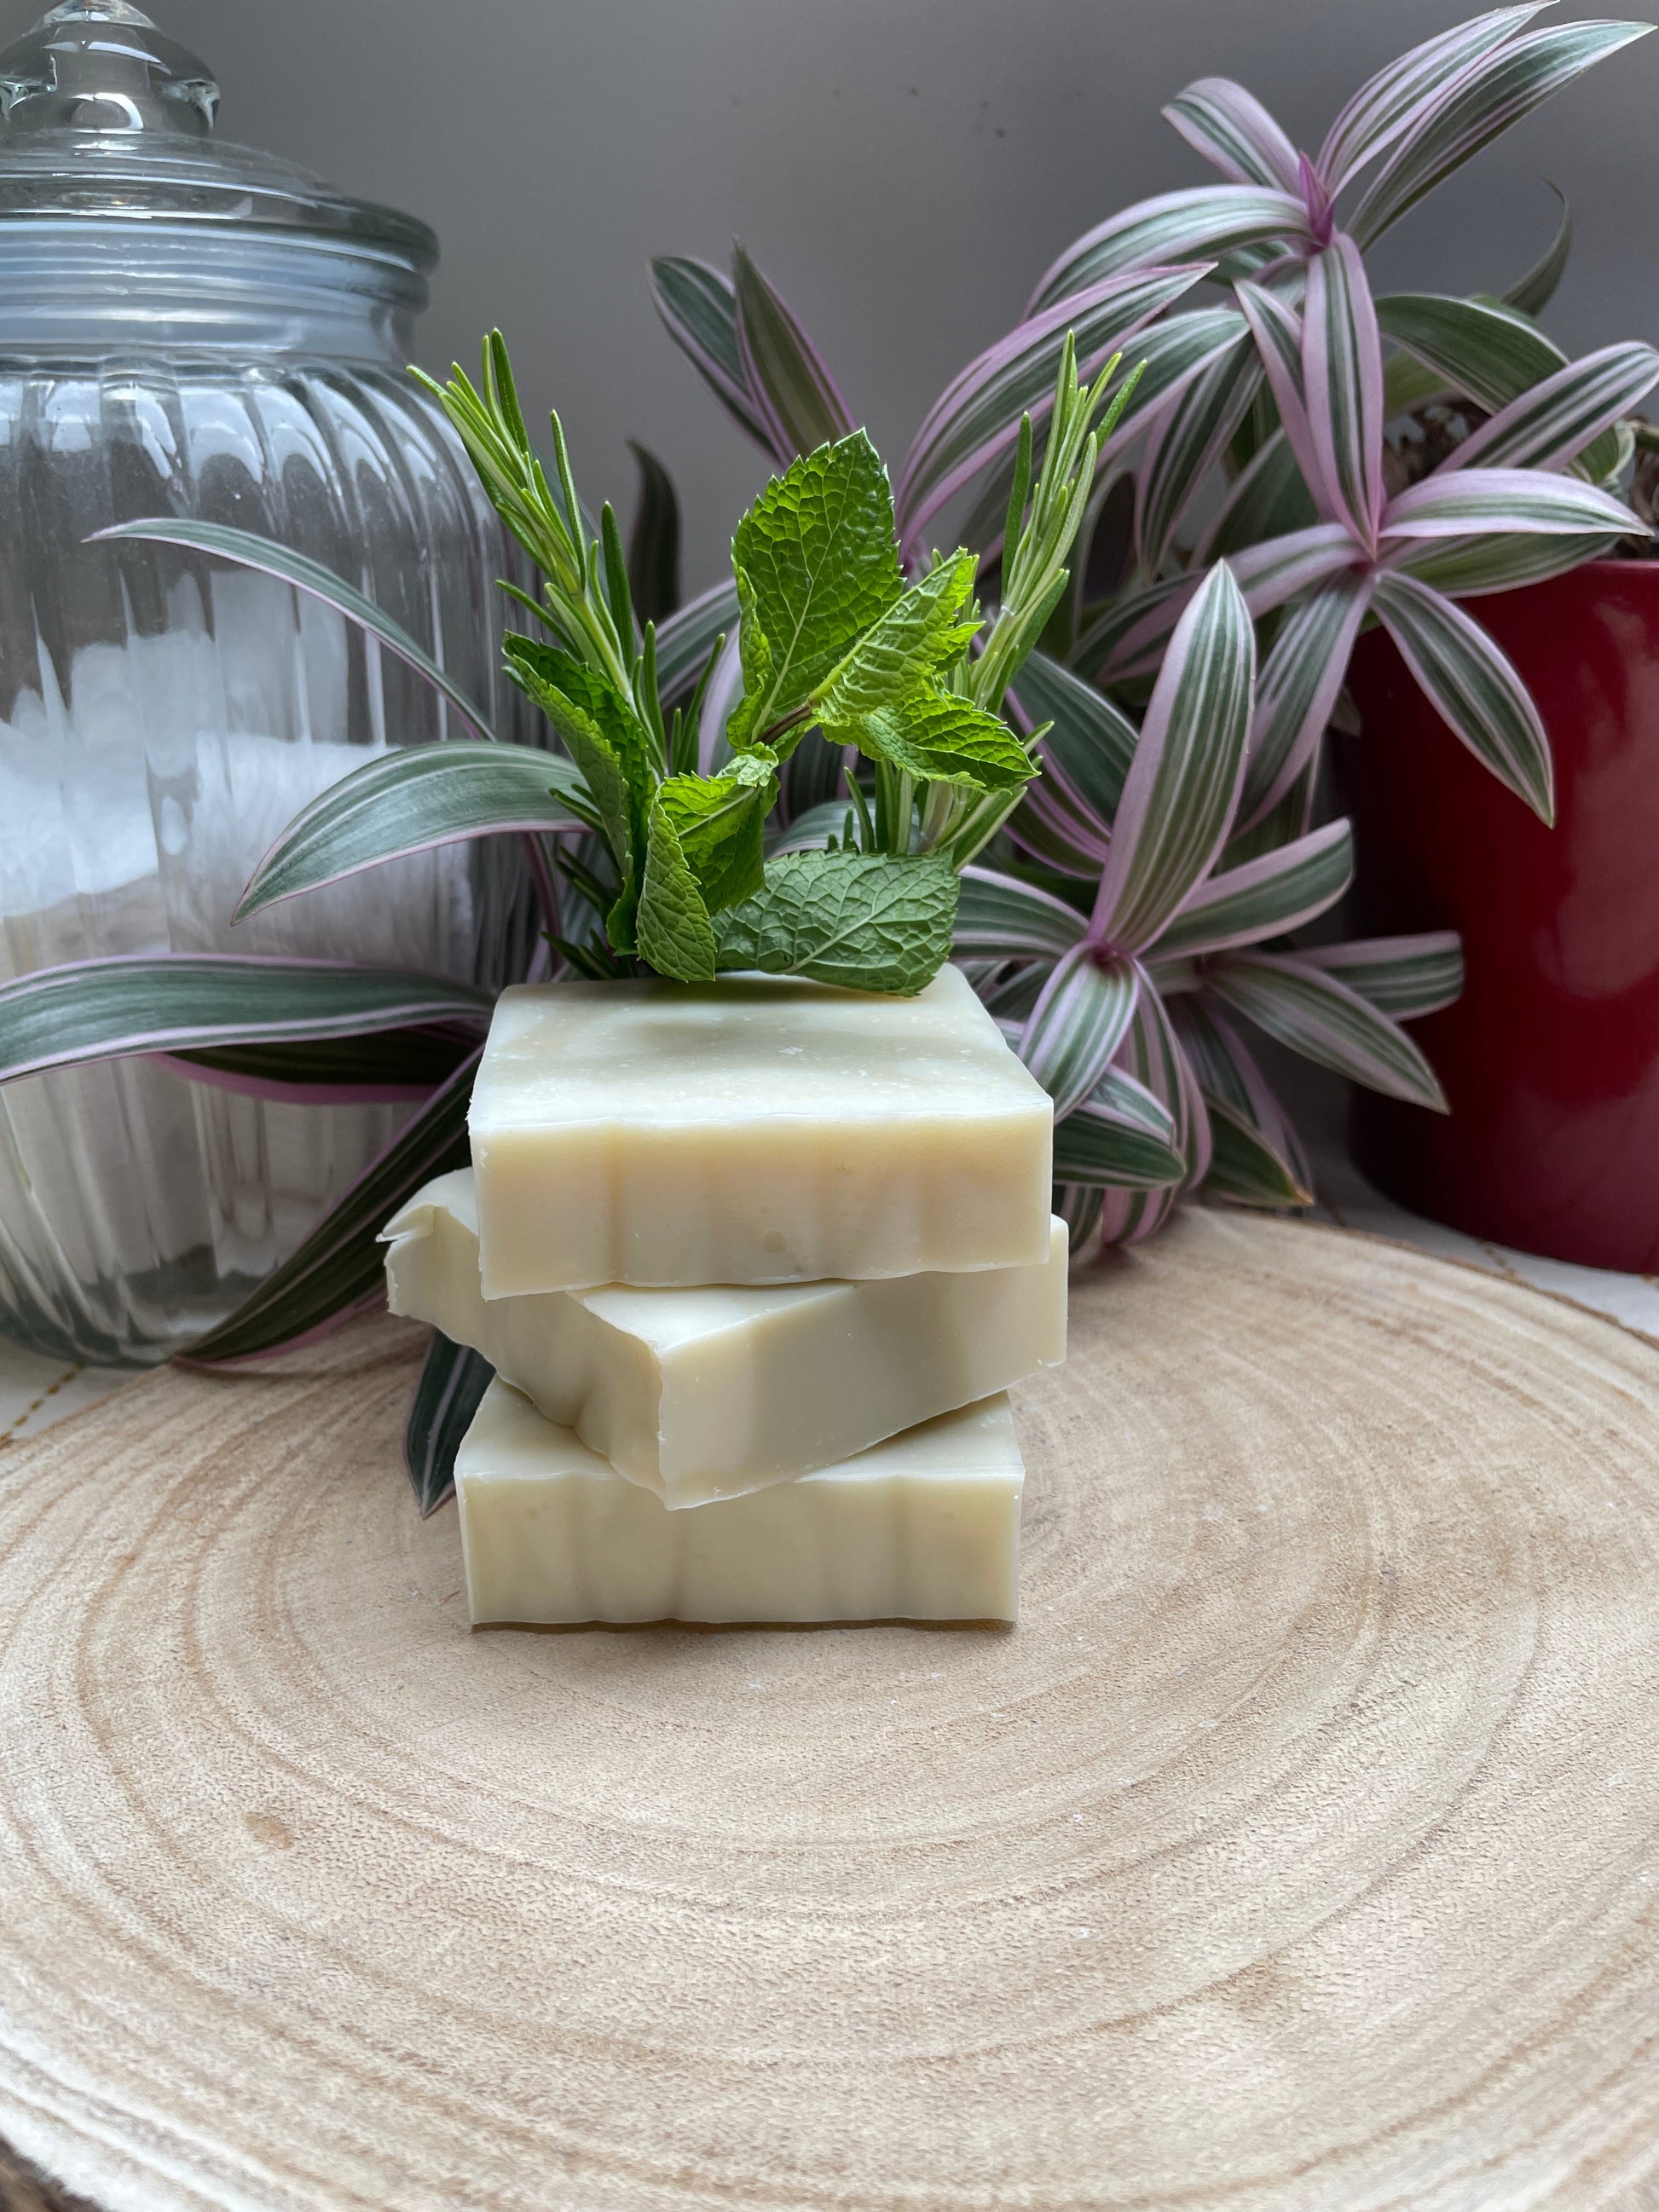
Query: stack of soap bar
(750, 1249)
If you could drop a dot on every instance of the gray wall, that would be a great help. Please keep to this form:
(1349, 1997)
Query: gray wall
(902, 169)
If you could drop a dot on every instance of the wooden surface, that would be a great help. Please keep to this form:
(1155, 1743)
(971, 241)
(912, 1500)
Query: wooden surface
(1296, 1851)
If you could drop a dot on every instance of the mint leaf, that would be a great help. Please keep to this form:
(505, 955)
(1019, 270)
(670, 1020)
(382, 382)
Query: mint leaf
(815, 564)
(902, 653)
(718, 821)
(941, 738)
(674, 930)
(608, 742)
(867, 921)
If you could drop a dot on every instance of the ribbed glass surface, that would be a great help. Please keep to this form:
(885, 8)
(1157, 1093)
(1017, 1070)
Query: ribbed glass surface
(161, 717)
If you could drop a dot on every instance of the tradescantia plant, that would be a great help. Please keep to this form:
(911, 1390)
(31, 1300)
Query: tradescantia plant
(1149, 892)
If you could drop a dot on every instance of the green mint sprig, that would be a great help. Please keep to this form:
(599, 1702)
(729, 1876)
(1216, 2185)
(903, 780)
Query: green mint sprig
(830, 637)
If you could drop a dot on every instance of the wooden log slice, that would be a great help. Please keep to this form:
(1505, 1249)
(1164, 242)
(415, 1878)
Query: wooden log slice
(1297, 1849)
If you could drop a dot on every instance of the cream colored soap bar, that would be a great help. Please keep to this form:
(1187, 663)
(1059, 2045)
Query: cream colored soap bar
(754, 1130)
(925, 1527)
(706, 1394)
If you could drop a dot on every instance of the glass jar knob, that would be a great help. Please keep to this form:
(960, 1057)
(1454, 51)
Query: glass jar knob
(102, 65)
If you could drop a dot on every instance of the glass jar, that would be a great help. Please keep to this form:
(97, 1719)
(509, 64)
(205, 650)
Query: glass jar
(193, 328)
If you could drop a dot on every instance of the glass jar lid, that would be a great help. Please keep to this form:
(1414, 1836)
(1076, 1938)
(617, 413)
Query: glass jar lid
(100, 115)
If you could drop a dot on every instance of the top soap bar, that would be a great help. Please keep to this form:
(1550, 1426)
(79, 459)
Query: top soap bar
(754, 1130)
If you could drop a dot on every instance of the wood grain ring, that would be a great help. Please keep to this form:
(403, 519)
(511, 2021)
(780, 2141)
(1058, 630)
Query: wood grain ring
(1296, 1851)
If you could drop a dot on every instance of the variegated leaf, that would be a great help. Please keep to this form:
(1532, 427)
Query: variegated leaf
(1090, 743)
(1187, 441)
(1342, 386)
(1268, 498)
(977, 415)
(1258, 1159)
(1201, 222)
(1319, 1016)
(1297, 692)
(787, 378)
(1079, 1207)
(340, 1267)
(269, 559)
(1470, 568)
(1405, 976)
(698, 305)
(1002, 915)
(1390, 102)
(1279, 339)
(115, 1008)
(1266, 896)
(1528, 501)
(414, 798)
(1533, 293)
(453, 1381)
(1178, 802)
(1562, 415)
(1078, 1023)
(1151, 1053)
(686, 640)
(1472, 684)
(1119, 1137)
(1231, 128)
(1475, 107)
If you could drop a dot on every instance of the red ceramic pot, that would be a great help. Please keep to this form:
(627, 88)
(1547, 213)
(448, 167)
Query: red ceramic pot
(1551, 1058)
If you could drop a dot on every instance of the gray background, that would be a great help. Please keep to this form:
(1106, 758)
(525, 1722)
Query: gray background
(902, 169)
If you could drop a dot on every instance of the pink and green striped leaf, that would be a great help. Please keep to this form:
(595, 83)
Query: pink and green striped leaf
(1388, 104)
(1201, 223)
(1268, 498)
(1178, 802)
(1319, 1015)
(1257, 1157)
(787, 378)
(1090, 744)
(1152, 1054)
(114, 1009)
(1119, 1137)
(1472, 684)
(1470, 568)
(1473, 108)
(1003, 916)
(1560, 415)
(1280, 339)
(1078, 1023)
(340, 1268)
(412, 799)
(1533, 293)
(698, 304)
(1342, 385)
(453, 1381)
(978, 416)
(1264, 897)
(1405, 976)
(1484, 501)
(1232, 130)
(269, 559)
(1187, 441)
(1296, 693)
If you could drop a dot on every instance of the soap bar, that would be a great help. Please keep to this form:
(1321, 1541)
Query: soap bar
(925, 1527)
(754, 1130)
(706, 1394)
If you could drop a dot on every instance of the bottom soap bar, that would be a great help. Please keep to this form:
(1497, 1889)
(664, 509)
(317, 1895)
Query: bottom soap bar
(925, 1527)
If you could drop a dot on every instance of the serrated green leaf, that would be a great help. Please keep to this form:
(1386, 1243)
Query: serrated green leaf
(718, 822)
(674, 930)
(942, 738)
(867, 921)
(902, 651)
(609, 745)
(815, 564)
